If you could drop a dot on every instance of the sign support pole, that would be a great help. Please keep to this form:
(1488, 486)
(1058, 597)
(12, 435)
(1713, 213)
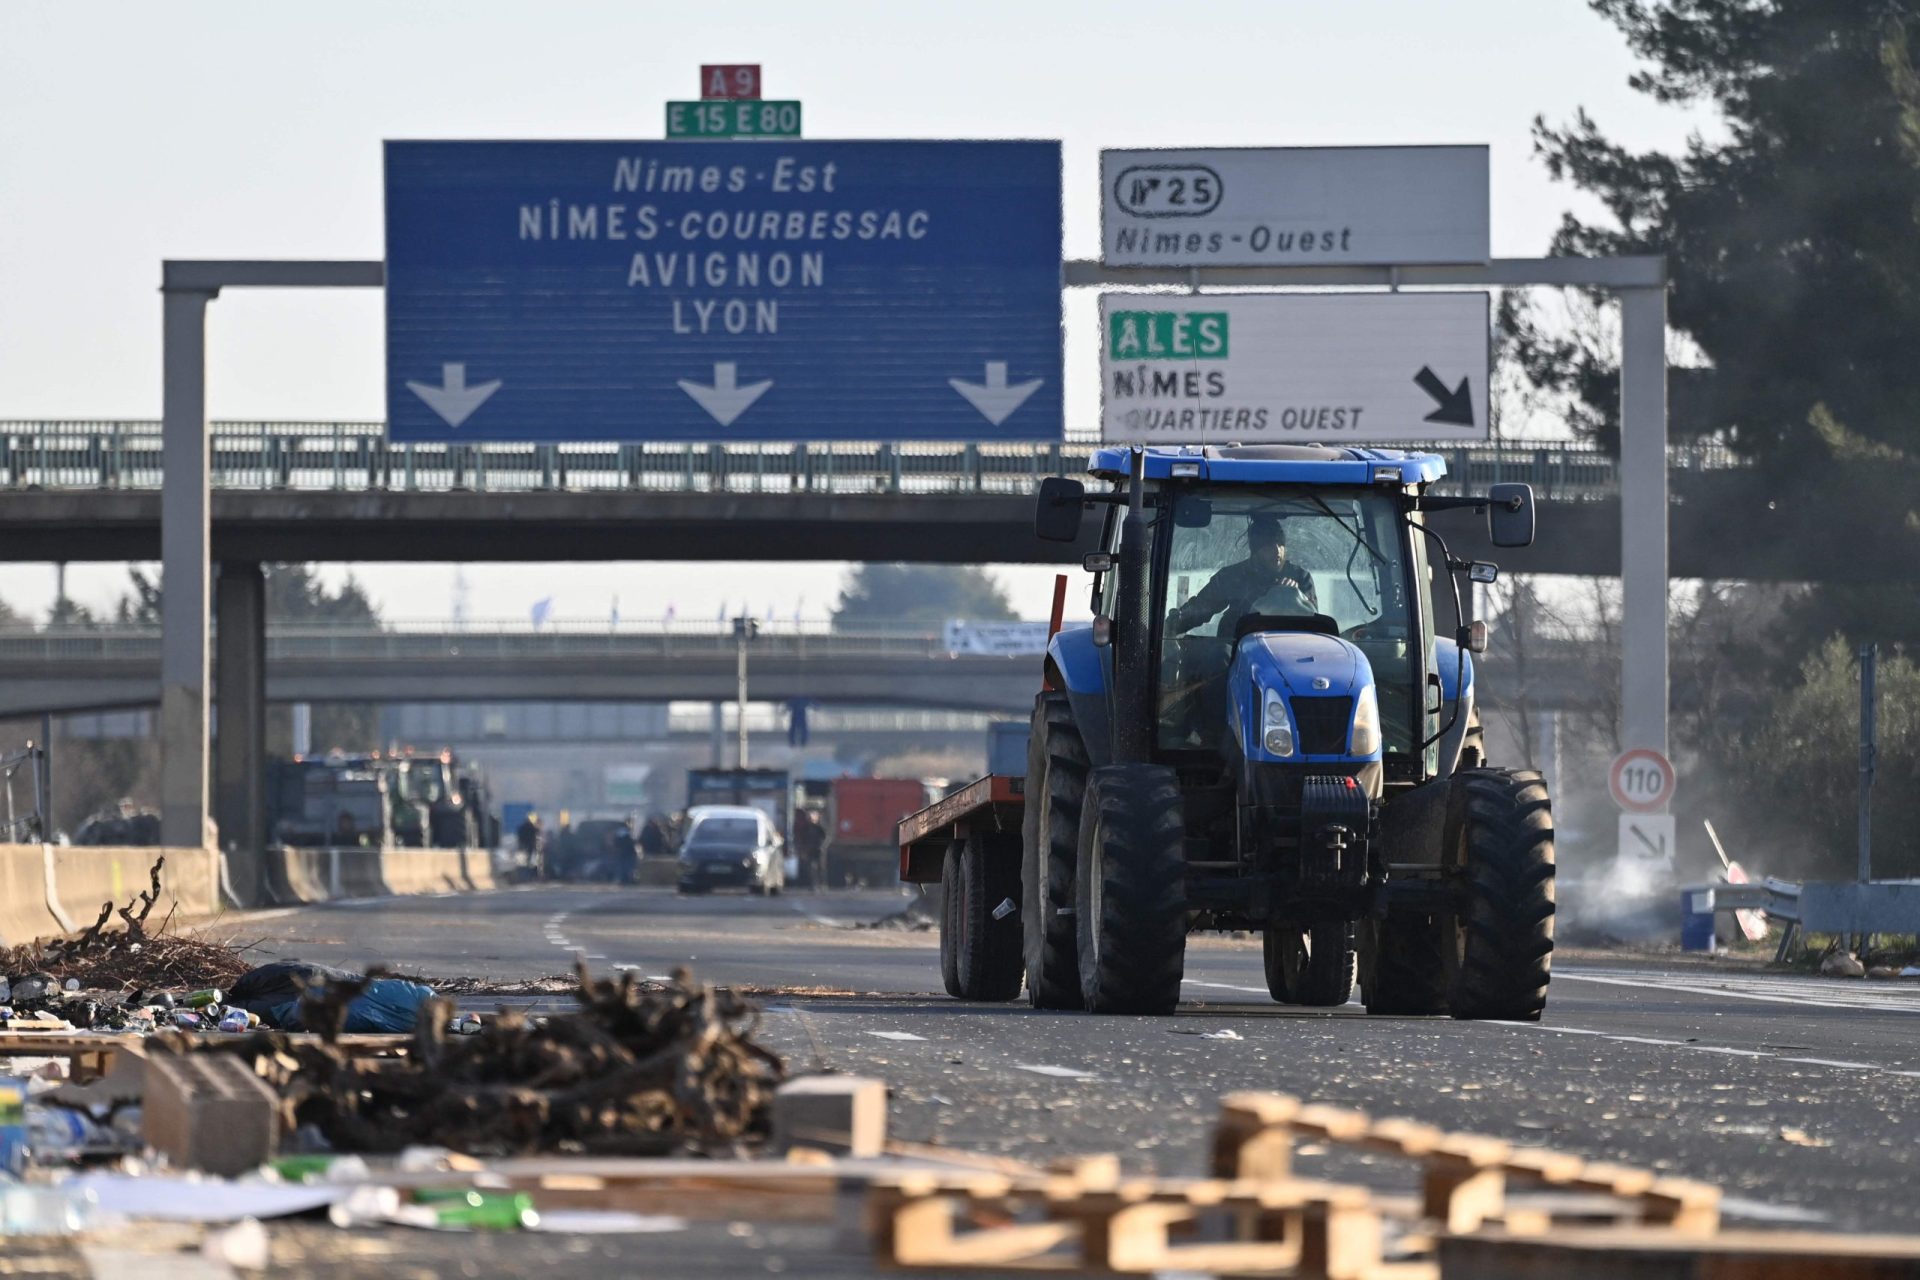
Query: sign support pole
(185, 539)
(1643, 519)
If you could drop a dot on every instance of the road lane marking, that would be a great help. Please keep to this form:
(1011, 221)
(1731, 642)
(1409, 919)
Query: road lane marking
(1708, 1048)
(1228, 986)
(896, 1035)
(1064, 1073)
(1829, 1062)
(1765, 990)
(814, 916)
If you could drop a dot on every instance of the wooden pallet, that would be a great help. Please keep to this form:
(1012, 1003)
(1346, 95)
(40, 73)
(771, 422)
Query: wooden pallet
(1485, 1211)
(92, 1053)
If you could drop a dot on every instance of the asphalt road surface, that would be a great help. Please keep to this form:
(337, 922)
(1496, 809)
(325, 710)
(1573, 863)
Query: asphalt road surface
(1797, 1095)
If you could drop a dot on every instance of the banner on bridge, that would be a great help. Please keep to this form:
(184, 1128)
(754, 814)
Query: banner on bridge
(1008, 639)
(718, 291)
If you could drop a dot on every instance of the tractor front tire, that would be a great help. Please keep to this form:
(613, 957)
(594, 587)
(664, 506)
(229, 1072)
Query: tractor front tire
(1402, 966)
(1499, 931)
(1050, 831)
(979, 955)
(1309, 964)
(1130, 885)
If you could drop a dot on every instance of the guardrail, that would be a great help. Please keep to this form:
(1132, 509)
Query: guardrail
(357, 457)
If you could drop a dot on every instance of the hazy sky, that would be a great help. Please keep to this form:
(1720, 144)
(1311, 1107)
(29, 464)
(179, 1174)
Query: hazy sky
(132, 132)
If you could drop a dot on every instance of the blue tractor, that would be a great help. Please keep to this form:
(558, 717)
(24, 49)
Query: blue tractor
(1270, 726)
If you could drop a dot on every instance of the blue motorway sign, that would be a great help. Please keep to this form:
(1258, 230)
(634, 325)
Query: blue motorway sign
(779, 290)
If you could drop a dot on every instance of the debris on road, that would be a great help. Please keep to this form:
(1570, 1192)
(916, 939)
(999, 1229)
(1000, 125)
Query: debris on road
(634, 1072)
(1842, 964)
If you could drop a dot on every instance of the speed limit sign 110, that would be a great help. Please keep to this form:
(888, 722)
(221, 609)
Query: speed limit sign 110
(1641, 780)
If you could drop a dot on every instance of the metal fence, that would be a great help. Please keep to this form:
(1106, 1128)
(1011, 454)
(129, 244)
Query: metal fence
(23, 780)
(357, 457)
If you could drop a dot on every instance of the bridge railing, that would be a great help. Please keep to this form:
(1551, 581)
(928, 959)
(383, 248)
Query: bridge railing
(357, 457)
(23, 646)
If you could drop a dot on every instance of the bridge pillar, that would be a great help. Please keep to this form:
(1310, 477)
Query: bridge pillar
(240, 690)
(185, 541)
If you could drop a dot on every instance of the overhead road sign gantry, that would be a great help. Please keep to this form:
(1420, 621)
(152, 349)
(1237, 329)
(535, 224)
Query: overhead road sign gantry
(1251, 368)
(701, 291)
(1294, 206)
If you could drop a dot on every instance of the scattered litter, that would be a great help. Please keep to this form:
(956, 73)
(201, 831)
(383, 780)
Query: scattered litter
(634, 1072)
(192, 1199)
(1005, 909)
(1842, 964)
(1801, 1138)
(590, 1222)
(1223, 1034)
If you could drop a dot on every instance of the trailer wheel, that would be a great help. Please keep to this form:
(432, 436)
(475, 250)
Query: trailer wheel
(1402, 969)
(1130, 909)
(1499, 932)
(1050, 832)
(980, 956)
(1311, 964)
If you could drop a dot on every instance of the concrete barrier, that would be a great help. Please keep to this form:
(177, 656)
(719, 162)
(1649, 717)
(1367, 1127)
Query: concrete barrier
(81, 878)
(424, 871)
(361, 873)
(23, 895)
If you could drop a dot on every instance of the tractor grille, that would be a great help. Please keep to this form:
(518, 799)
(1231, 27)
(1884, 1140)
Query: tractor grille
(1323, 725)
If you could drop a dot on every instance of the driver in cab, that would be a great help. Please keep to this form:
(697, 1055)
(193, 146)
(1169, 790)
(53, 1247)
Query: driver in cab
(1250, 584)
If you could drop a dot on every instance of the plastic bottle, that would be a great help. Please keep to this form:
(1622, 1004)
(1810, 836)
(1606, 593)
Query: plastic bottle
(45, 1211)
(57, 1135)
(13, 1125)
(6, 990)
(233, 1020)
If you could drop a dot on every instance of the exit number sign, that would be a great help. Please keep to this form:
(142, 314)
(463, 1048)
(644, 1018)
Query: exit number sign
(729, 80)
(727, 119)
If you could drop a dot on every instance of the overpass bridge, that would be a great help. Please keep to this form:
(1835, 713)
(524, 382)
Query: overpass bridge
(303, 491)
(65, 671)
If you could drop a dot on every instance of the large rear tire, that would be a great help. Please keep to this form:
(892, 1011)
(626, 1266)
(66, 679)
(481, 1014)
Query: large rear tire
(1130, 886)
(1309, 964)
(979, 954)
(1499, 931)
(1402, 966)
(1050, 830)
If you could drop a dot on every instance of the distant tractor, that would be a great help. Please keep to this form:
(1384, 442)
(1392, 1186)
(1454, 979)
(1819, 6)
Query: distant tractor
(1266, 727)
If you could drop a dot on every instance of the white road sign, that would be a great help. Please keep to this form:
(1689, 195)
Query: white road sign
(1646, 837)
(1278, 368)
(1008, 639)
(1294, 206)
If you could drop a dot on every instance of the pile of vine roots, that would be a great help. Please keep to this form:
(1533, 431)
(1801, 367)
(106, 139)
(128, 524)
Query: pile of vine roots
(638, 1070)
(138, 956)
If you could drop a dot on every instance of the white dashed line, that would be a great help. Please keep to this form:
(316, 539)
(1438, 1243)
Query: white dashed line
(1064, 1073)
(896, 1035)
(1723, 1050)
(1767, 990)
(1829, 1062)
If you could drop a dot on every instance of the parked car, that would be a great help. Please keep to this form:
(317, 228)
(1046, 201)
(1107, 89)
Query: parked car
(731, 846)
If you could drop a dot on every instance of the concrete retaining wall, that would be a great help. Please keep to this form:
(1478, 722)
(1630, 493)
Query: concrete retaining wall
(47, 890)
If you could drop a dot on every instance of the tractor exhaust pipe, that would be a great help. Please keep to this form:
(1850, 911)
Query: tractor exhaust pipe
(1133, 629)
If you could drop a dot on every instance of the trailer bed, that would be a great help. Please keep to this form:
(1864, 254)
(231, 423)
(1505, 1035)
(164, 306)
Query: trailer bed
(996, 802)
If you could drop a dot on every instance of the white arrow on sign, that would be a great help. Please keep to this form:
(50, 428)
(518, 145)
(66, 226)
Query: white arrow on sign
(453, 399)
(996, 400)
(725, 399)
(1646, 837)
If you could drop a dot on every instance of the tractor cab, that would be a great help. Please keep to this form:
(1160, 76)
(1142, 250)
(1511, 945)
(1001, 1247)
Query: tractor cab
(1278, 668)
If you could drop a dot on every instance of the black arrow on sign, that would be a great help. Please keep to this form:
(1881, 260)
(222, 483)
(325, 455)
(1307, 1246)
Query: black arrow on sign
(1456, 406)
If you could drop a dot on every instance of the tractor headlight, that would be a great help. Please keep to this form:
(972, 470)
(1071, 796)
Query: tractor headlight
(1366, 723)
(1276, 731)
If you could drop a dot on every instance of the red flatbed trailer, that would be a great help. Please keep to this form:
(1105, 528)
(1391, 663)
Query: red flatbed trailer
(969, 842)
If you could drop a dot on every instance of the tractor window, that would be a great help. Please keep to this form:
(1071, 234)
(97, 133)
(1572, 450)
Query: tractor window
(1237, 551)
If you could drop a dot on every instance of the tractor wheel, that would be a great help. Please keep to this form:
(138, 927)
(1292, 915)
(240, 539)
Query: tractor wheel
(979, 955)
(1499, 932)
(1402, 970)
(1050, 831)
(1130, 886)
(1310, 965)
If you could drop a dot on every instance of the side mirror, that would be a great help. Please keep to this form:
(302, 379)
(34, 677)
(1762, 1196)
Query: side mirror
(1097, 562)
(1102, 631)
(1056, 516)
(1473, 637)
(1510, 515)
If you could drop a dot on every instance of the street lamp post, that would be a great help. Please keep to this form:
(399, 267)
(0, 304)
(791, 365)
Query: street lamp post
(744, 629)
